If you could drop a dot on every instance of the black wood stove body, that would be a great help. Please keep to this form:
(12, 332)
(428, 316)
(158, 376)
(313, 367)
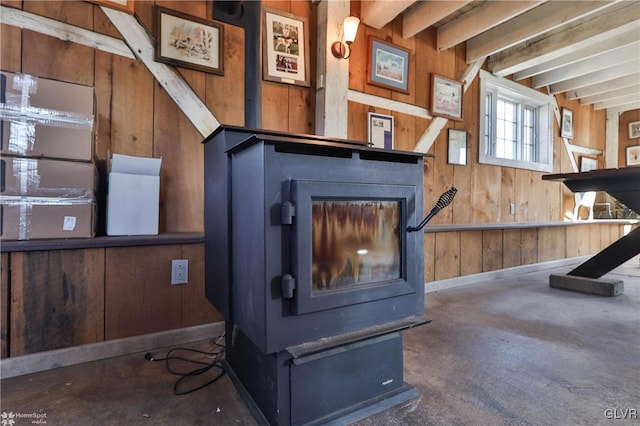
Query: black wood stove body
(308, 259)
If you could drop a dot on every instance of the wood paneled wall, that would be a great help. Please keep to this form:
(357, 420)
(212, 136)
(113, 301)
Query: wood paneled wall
(623, 136)
(64, 298)
(454, 254)
(122, 292)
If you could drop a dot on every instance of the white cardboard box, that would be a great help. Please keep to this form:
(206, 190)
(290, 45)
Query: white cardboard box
(133, 196)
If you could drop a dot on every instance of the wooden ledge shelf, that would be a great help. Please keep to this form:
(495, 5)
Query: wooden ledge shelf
(102, 242)
(521, 225)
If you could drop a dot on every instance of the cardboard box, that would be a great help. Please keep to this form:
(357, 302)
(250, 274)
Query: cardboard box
(41, 198)
(60, 141)
(50, 142)
(41, 177)
(30, 220)
(133, 195)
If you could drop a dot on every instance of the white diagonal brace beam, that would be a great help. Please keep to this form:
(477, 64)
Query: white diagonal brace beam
(51, 27)
(430, 135)
(141, 44)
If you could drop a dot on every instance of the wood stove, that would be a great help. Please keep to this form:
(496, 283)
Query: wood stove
(309, 260)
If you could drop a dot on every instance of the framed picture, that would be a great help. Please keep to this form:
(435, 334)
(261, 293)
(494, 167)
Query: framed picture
(285, 52)
(588, 163)
(633, 155)
(380, 130)
(457, 148)
(566, 124)
(188, 41)
(446, 98)
(123, 5)
(634, 129)
(388, 65)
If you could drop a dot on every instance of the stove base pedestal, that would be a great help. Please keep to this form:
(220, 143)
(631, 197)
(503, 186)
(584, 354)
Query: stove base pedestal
(338, 385)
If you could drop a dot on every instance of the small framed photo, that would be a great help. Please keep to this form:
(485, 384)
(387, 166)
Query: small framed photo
(634, 129)
(187, 41)
(388, 65)
(588, 163)
(446, 98)
(285, 51)
(458, 147)
(633, 155)
(380, 130)
(123, 5)
(566, 124)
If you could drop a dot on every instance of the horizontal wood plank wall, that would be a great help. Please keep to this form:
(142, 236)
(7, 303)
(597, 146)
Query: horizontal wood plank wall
(453, 254)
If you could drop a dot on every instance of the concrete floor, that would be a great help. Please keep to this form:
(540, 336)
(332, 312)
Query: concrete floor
(511, 351)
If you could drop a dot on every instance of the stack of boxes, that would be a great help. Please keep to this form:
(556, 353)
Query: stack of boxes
(47, 175)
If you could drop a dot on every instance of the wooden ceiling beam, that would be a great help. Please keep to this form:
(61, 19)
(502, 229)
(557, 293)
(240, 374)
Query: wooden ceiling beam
(606, 86)
(588, 100)
(619, 71)
(544, 18)
(378, 13)
(595, 63)
(479, 20)
(591, 30)
(592, 50)
(426, 13)
(618, 102)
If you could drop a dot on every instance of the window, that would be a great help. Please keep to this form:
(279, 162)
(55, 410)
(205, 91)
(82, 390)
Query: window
(516, 126)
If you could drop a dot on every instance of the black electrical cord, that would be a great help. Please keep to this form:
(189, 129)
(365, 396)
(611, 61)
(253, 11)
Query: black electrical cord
(216, 362)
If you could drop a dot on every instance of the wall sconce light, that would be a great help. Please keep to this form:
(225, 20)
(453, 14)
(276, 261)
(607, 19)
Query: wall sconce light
(342, 49)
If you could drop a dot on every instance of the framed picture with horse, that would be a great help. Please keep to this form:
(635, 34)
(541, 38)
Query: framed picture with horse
(285, 49)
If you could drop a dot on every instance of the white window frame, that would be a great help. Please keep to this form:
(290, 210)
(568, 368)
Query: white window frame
(521, 94)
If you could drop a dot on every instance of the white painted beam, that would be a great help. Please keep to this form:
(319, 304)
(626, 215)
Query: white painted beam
(378, 13)
(607, 86)
(426, 13)
(584, 150)
(537, 21)
(47, 26)
(617, 20)
(333, 81)
(625, 108)
(606, 60)
(590, 51)
(480, 19)
(141, 44)
(612, 103)
(612, 141)
(588, 100)
(596, 77)
(385, 103)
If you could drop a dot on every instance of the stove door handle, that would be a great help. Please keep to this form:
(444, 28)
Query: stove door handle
(445, 199)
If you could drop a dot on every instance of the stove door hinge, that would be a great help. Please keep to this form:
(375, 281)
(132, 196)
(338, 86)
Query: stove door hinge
(288, 285)
(288, 212)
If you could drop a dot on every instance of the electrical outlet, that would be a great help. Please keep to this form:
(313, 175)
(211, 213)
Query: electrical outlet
(179, 271)
(512, 208)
